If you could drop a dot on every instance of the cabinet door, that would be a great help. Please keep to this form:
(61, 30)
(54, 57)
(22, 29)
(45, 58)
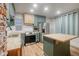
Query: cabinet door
(47, 47)
(37, 37)
(39, 19)
(28, 19)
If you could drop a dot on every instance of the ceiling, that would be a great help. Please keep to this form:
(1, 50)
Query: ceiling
(52, 8)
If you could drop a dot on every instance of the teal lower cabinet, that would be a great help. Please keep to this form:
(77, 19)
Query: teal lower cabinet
(54, 48)
(48, 48)
(41, 37)
(37, 36)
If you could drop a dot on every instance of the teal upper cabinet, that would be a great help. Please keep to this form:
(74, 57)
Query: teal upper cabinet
(11, 14)
(39, 19)
(11, 9)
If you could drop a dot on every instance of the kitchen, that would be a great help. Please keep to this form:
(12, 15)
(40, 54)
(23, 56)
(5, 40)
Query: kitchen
(42, 29)
(27, 26)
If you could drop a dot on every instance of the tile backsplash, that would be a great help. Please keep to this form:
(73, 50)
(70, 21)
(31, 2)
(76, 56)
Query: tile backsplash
(24, 28)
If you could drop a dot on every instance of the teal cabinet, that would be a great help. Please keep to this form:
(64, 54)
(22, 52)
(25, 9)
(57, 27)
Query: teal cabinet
(48, 48)
(39, 19)
(11, 14)
(37, 37)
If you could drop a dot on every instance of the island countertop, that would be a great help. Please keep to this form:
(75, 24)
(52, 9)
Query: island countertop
(60, 37)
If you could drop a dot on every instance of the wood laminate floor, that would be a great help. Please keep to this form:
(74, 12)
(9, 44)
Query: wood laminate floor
(33, 49)
(36, 49)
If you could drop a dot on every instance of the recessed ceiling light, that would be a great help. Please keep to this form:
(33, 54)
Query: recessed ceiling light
(46, 8)
(34, 5)
(58, 12)
(31, 10)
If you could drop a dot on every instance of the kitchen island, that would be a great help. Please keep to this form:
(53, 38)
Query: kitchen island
(57, 44)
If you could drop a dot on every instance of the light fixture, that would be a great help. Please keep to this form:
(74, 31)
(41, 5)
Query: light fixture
(34, 5)
(46, 8)
(31, 10)
(58, 12)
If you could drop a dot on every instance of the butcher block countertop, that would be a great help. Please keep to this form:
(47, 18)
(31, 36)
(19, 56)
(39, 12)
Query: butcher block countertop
(60, 37)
